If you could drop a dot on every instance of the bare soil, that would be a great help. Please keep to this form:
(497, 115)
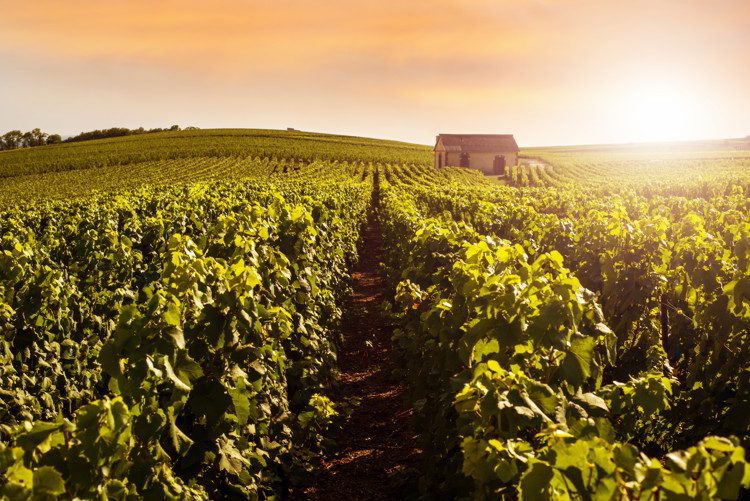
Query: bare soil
(376, 450)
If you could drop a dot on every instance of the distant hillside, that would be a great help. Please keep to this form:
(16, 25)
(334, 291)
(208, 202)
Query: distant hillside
(239, 143)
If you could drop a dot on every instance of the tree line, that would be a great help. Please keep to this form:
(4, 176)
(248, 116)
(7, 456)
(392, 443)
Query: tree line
(16, 139)
(119, 131)
(36, 137)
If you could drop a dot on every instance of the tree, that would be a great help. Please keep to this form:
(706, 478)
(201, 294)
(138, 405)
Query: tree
(12, 139)
(27, 140)
(38, 138)
(54, 139)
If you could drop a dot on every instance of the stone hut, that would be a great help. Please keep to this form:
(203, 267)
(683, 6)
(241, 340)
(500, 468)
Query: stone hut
(490, 153)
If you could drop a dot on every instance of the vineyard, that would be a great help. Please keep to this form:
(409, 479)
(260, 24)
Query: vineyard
(177, 323)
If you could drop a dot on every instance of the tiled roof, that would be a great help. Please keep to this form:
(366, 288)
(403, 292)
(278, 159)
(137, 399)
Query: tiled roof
(478, 142)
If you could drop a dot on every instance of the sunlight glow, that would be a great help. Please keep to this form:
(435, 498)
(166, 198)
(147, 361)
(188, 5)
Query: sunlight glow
(660, 110)
(549, 71)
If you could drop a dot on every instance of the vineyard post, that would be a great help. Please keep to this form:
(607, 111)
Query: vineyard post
(664, 317)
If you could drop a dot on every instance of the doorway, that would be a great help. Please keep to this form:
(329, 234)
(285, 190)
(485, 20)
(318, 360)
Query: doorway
(464, 160)
(498, 166)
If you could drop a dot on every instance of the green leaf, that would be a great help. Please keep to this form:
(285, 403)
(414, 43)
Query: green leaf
(739, 292)
(576, 367)
(572, 455)
(534, 484)
(186, 368)
(592, 403)
(180, 441)
(494, 366)
(179, 383)
(110, 360)
(39, 433)
(177, 336)
(47, 480)
(241, 402)
(626, 457)
(19, 474)
(732, 481)
(718, 444)
(173, 314)
(231, 460)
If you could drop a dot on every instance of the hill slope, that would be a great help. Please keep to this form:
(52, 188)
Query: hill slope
(168, 158)
(207, 143)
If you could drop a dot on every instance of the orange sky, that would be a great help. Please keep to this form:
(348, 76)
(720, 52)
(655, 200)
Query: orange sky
(550, 71)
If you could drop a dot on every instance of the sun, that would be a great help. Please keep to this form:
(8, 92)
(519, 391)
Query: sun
(660, 110)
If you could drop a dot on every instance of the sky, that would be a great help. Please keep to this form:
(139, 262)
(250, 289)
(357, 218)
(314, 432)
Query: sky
(551, 72)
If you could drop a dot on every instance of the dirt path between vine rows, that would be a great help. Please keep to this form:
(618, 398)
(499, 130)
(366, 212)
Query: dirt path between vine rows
(377, 451)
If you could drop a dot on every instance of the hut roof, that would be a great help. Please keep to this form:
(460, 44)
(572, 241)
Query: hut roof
(477, 142)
